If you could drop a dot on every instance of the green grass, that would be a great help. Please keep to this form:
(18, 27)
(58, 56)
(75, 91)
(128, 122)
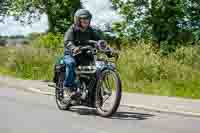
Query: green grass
(182, 88)
(30, 63)
(141, 69)
(7, 63)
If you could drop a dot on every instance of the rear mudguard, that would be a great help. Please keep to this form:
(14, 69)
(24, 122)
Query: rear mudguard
(59, 67)
(59, 60)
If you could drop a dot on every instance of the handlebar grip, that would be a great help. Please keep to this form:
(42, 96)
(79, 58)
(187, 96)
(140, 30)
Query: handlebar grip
(92, 41)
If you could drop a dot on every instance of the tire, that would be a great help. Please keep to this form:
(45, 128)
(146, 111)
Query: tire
(99, 98)
(59, 93)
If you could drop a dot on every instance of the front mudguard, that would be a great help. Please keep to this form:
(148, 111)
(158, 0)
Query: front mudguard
(101, 66)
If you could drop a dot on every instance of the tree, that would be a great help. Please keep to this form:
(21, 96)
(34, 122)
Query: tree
(153, 19)
(194, 18)
(59, 12)
(4, 7)
(165, 18)
(133, 26)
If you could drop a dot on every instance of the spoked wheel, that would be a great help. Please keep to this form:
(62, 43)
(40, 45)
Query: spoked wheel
(108, 93)
(60, 94)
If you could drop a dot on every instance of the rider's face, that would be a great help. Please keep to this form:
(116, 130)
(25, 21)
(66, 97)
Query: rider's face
(84, 23)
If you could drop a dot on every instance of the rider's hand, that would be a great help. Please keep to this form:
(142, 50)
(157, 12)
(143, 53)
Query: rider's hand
(76, 50)
(102, 44)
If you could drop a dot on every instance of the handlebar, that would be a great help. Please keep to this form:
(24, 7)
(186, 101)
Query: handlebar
(99, 45)
(87, 41)
(87, 47)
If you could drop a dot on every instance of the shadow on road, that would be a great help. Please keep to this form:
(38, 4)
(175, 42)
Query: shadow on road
(118, 115)
(131, 116)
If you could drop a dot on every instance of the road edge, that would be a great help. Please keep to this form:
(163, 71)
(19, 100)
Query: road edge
(143, 107)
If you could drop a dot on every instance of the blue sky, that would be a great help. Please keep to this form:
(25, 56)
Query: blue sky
(102, 14)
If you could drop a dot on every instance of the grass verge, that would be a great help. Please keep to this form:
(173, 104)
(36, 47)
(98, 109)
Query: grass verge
(141, 69)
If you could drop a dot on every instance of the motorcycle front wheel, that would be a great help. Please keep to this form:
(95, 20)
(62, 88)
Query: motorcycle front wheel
(108, 93)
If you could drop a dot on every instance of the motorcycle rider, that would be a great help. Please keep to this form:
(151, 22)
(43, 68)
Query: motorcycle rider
(79, 31)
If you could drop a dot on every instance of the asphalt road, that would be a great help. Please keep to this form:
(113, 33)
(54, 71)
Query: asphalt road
(24, 112)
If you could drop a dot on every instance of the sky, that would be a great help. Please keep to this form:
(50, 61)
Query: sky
(101, 10)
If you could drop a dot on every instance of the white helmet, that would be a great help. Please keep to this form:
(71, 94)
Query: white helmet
(81, 13)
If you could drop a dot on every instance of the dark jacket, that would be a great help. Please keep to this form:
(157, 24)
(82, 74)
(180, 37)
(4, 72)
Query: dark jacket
(74, 36)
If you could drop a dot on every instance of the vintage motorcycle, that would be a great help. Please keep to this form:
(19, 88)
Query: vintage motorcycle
(99, 82)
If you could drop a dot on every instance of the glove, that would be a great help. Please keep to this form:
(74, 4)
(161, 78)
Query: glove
(76, 50)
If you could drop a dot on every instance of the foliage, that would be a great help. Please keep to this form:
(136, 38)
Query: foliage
(28, 62)
(4, 7)
(164, 16)
(165, 21)
(59, 12)
(141, 69)
(35, 63)
(50, 40)
(133, 27)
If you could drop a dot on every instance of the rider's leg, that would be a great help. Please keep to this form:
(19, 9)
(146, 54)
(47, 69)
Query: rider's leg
(70, 71)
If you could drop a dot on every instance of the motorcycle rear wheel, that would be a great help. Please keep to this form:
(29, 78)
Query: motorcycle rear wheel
(59, 94)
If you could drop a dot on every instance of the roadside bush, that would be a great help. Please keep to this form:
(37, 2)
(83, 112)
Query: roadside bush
(141, 68)
(36, 63)
(188, 55)
(49, 40)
